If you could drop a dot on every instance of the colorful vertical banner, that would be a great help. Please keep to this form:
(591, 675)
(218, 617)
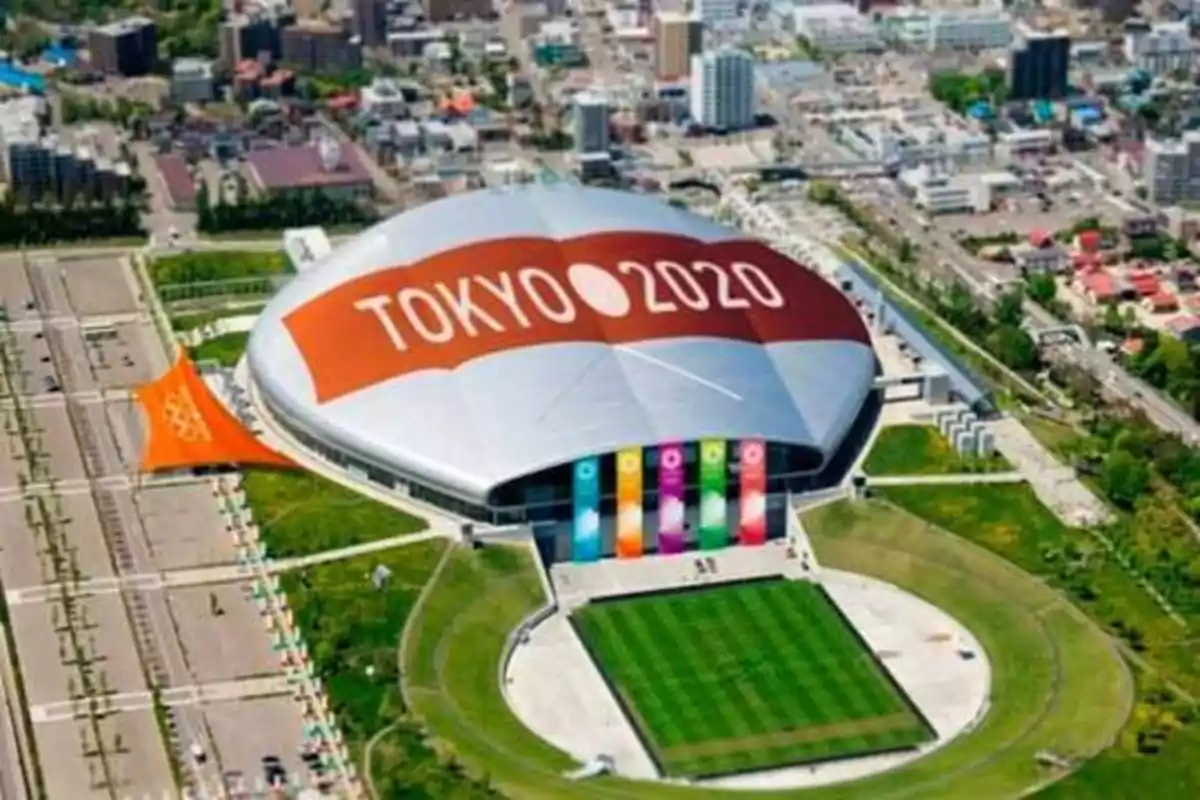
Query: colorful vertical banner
(629, 502)
(714, 527)
(671, 536)
(752, 501)
(585, 534)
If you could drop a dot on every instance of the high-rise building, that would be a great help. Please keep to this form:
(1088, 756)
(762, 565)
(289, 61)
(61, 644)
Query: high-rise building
(591, 123)
(677, 37)
(246, 37)
(1171, 168)
(317, 46)
(1038, 64)
(40, 168)
(370, 22)
(722, 92)
(127, 47)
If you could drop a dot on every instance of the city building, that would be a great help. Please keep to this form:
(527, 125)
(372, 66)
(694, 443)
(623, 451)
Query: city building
(192, 80)
(177, 181)
(370, 21)
(253, 80)
(836, 28)
(937, 192)
(722, 90)
(317, 46)
(716, 12)
(249, 36)
(128, 47)
(383, 98)
(448, 10)
(677, 37)
(1171, 169)
(492, 421)
(40, 168)
(1160, 48)
(591, 123)
(1038, 64)
(322, 166)
(949, 29)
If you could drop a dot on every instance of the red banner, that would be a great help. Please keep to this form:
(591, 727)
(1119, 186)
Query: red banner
(617, 288)
(752, 472)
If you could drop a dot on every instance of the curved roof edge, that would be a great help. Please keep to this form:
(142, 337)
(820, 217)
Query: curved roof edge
(476, 488)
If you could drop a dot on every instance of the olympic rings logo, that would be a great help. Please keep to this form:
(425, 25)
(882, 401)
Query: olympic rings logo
(183, 419)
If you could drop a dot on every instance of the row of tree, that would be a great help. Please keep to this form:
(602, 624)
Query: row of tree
(289, 210)
(37, 225)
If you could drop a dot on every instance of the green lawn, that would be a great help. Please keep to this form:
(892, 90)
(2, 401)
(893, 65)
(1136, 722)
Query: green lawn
(300, 513)
(1009, 521)
(746, 677)
(1057, 685)
(922, 450)
(226, 349)
(216, 265)
(353, 630)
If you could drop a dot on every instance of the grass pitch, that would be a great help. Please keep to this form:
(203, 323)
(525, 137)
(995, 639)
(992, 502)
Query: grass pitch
(746, 677)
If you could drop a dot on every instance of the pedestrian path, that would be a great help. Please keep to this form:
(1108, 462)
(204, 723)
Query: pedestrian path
(196, 694)
(201, 576)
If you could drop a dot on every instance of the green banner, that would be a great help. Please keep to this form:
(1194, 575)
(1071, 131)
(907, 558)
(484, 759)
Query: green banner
(714, 528)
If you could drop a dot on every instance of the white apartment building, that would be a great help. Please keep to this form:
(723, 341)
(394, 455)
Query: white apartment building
(1165, 47)
(591, 123)
(722, 90)
(192, 80)
(952, 29)
(836, 28)
(939, 193)
(1171, 169)
(383, 99)
(715, 12)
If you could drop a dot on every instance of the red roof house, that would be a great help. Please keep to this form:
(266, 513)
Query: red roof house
(1146, 284)
(1039, 237)
(1088, 241)
(1163, 303)
(1100, 286)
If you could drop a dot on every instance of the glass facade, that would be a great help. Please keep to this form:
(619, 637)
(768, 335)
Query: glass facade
(546, 496)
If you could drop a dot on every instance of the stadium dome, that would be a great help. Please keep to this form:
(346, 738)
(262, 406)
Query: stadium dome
(493, 335)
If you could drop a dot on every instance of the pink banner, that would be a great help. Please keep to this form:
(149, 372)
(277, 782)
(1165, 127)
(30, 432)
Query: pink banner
(671, 535)
(753, 476)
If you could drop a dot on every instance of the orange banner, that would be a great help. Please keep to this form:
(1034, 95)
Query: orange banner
(629, 502)
(186, 426)
(609, 287)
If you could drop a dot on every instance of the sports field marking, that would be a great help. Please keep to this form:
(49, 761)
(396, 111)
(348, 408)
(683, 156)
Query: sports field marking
(815, 733)
(745, 676)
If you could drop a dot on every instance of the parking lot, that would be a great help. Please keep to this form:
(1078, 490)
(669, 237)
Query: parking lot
(89, 332)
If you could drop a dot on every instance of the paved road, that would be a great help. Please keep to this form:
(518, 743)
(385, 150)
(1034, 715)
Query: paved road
(984, 279)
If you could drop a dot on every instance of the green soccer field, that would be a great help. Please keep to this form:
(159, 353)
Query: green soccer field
(746, 677)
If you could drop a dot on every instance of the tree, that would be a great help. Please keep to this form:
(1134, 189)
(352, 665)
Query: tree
(1014, 347)
(1009, 310)
(1124, 478)
(1042, 288)
(905, 251)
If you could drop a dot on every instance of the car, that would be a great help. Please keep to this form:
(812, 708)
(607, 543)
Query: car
(274, 773)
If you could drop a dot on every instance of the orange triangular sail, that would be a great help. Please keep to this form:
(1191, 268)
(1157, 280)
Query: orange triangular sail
(188, 427)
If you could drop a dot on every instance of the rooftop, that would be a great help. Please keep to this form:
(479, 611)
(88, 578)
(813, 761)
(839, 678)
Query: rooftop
(300, 166)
